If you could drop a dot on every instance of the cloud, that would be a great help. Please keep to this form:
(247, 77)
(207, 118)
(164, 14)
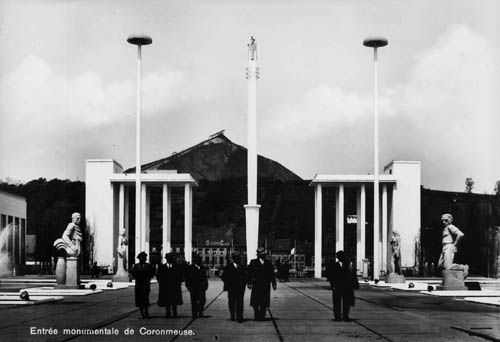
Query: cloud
(323, 108)
(34, 93)
(445, 104)
(45, 115)
(450, 99)
(452, 79)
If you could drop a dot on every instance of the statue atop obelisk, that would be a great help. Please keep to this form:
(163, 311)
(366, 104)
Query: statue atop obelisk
(252, 208)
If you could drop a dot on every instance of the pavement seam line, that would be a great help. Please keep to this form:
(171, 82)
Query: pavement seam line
(275, 325)
(193, 319)
(477, 333)
(331, 308)
(58, 313)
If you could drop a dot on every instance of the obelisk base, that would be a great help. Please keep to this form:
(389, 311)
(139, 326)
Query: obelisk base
(252, 230)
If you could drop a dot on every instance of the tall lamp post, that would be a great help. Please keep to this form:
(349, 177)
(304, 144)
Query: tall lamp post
(140, 236)
(252, 208)
(375, 43)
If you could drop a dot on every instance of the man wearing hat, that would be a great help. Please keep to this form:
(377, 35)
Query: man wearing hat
(197, 284)
(169, 280)
(451, 238)
(142, 272)
(261, 276)
(342, 282)
(234, 277)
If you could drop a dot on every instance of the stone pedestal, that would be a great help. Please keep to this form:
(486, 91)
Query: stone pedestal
(121, 275)
(72, 274)
(453, 280)
(394, 278)
(61, 271)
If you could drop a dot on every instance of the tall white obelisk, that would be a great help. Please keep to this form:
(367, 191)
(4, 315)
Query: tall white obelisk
(140, 235)
(375, 43)
(252, 208)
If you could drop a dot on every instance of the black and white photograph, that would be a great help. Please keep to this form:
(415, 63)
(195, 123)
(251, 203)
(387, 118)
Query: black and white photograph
(245, 170)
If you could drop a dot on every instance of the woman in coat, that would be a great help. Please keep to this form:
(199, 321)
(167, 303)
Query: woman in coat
(142, 272)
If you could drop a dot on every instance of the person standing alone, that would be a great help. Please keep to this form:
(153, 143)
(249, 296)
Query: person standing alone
(142, 272)
(197, 284)
(261, 276)
(234, 277)
(169, 279)
(343, 281)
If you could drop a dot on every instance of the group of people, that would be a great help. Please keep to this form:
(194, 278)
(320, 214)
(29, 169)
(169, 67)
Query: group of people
(283, 270)
(170, 276)
(258, 276)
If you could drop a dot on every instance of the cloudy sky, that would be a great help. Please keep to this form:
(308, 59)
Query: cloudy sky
(68, 78)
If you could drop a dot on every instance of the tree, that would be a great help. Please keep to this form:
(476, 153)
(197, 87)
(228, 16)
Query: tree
(496, 190)
(469, 185)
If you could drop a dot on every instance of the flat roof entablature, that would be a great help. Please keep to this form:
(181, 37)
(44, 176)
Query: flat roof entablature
(104, 161)
(414, 162)
(171, 179)
(350, 180)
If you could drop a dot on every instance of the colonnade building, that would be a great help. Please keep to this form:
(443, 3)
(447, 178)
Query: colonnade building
(399, 211)
(110, 195)
(109, 192)
(12, 233)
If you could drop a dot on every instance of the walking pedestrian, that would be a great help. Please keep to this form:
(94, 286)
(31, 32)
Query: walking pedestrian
(142, 272)
(197, 284)
(169, 277)
(261, 277)
(234, 277)
(343, 281)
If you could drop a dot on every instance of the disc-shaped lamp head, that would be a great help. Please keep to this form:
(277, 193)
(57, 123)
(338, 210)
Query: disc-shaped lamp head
(375, 42)
(139, 39)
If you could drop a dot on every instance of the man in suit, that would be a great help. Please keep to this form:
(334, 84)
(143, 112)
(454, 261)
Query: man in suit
(197, 284)
(261, 276)
(169, 279)
(342, 281)
(142, 272)
(234, 277)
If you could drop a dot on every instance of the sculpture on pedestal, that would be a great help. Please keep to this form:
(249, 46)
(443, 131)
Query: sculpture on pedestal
(395, 269)
(451, 238)
(453, 274)
(71, 238)
(252, 49)
(122, 252)
(67, 273)
(396, 253)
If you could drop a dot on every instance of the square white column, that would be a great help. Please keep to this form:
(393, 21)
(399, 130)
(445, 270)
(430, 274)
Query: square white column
(126, 211)
(121, 220)
(339, 226)
(147, 219)
(384, 228)
(361, 226)
(167, 223)
(188, 222)
(121, 207)
(143, 221)
(318, 224)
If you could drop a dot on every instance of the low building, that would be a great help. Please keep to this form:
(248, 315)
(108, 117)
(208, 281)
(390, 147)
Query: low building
(13, 227)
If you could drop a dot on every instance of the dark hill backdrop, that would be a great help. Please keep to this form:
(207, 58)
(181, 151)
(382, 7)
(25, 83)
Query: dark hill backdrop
(287, 209)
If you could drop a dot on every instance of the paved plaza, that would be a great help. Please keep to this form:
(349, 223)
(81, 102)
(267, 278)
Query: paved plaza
(300, 311)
